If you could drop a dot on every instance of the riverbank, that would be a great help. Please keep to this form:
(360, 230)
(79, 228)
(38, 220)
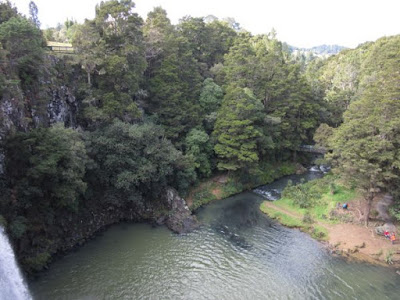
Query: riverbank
(342, 231)
(222, 186)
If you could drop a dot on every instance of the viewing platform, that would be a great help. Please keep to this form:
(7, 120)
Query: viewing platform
(60, 47)
(312, 149)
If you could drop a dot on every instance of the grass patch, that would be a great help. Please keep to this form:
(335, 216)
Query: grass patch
(283, 218)
(321, 201)
(316, 231)
(318, 198)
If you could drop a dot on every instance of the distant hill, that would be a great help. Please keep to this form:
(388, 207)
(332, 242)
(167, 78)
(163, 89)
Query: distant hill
(322, 50)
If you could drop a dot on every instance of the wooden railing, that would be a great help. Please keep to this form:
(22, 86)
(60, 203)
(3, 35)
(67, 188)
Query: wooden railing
(60, 47)
(312, 149)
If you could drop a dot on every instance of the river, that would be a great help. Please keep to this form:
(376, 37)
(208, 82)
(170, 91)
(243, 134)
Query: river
(238, 253)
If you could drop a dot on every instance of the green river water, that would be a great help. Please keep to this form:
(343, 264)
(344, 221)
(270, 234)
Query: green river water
(237, 253)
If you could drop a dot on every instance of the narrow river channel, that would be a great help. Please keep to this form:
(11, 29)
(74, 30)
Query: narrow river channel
(238, 253)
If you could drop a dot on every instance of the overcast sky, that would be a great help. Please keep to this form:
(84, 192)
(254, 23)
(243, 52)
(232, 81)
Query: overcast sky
(302, 23)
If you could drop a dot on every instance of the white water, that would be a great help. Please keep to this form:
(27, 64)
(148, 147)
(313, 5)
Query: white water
(12, 285)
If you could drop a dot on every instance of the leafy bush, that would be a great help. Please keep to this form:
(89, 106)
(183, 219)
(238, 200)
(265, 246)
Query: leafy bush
(395, 211)
(46, 167)
(38, 262)
(133, 162)
(307, 218)
(302, 194)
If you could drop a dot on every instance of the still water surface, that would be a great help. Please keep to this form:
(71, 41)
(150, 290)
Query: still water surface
(238, 253)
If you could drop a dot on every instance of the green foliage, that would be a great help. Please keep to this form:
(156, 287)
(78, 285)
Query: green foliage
(112, 53)
(235, 130)
(23, 46)
(322, 135)
(395, 210)
(210, 100)
(302, 194)
(131, 160)
(7, 11)
(291, 112)
(389, 257)
(198, 144)
(307, 218)
(46, 167)
(283, 218)
(202, 197)
(38, 262)
(366, 146)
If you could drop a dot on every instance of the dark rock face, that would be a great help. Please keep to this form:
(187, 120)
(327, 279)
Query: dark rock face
(50, 100)
(71, 230)
(62, 107)
(180, 218)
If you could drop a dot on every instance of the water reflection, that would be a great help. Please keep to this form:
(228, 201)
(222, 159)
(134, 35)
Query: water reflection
(238, 253)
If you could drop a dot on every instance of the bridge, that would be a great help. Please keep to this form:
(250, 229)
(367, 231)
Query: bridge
(60, 47)
(312, 149)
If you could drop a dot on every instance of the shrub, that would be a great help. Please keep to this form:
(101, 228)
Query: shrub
(307, 218)
(37, 262)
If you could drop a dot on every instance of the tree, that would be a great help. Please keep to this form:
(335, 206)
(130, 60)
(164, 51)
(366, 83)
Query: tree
(198, 145)
(112, 49)
(133, 162)
(366, 146)
(291, 113)
(7, 11)
(158, 34)
(87, 43)
(23, 45)
(210, 100)
(33, 13)
(45, 168)
(235, 130)
(173, 79)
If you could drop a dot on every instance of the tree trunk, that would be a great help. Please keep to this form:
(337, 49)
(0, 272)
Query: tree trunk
(368, 199)
(88, 79)
(294, 157)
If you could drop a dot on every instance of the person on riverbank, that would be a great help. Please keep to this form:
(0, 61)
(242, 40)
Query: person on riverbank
(386, 234)
(393, 238)
(345, 206)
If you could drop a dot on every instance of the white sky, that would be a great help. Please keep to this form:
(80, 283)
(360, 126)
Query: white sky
(301, 23)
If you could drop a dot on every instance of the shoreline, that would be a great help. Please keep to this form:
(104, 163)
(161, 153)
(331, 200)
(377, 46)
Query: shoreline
(222, 186)
(348, 240)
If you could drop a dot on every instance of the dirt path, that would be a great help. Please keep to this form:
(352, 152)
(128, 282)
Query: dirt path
(282, 210)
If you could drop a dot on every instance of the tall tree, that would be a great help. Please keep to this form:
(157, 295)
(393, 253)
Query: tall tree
(173, 78)
(366, 145)
(23, 46)
(235, 130)
(33, 13)
(116, 56)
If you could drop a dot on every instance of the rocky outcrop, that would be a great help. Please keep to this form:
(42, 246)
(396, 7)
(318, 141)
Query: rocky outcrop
(50, 100)
(72, 230)
(300, 169)
(180, 218)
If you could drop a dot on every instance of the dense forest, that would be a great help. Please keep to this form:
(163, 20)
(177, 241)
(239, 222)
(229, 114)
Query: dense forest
(145, 105)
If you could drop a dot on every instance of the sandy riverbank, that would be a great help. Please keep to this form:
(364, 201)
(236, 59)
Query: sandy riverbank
(353, 240)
